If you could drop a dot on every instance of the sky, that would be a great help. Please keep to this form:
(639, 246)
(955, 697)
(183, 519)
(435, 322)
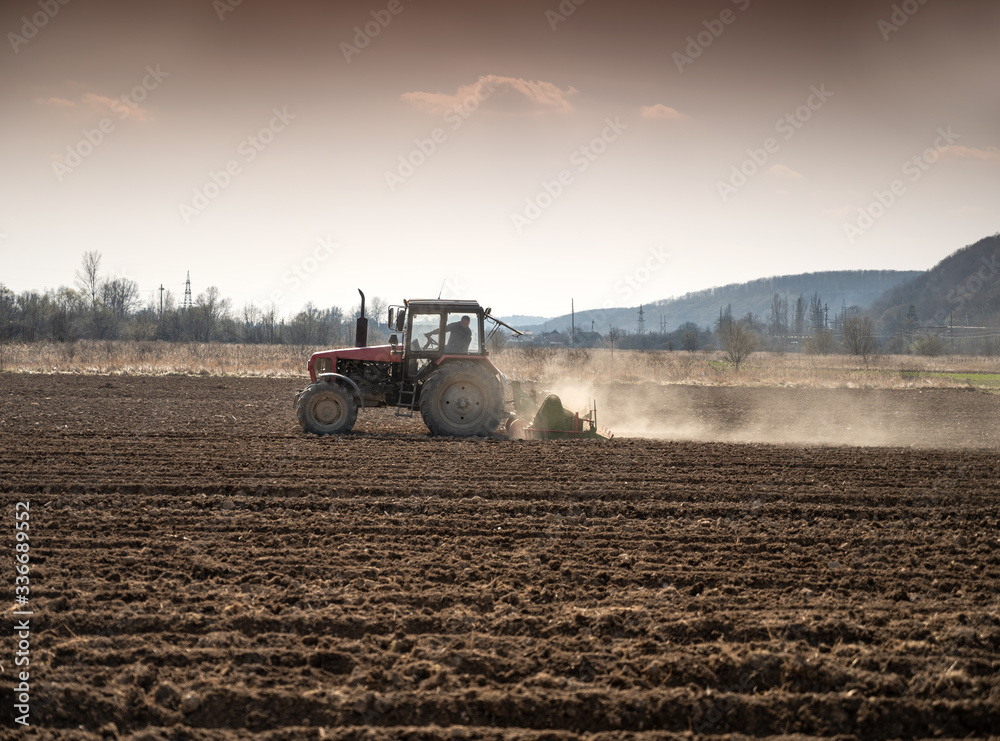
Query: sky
(524, 154)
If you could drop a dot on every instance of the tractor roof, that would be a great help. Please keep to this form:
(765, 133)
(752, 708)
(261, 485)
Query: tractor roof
(432, 304)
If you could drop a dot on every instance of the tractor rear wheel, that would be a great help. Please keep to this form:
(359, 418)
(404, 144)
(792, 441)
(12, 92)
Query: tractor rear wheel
(327, 409)
(462, 400)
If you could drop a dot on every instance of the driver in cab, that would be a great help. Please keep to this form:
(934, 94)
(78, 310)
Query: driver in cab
(459, 336)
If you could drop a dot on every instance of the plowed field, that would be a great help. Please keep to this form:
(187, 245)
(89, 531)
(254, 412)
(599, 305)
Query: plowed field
(200, 569)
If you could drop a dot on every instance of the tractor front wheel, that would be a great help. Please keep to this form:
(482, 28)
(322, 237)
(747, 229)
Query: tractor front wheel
(462, 400)
(327, 409)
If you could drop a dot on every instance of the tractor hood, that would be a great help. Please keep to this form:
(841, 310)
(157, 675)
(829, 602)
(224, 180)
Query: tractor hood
(377, 353)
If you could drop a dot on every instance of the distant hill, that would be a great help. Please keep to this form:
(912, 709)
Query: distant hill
(835, 288)
(964, 288)
(521, 320)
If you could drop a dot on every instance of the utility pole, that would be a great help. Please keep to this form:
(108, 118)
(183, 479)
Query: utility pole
(187, 292)
(640, 323)
(161, 299)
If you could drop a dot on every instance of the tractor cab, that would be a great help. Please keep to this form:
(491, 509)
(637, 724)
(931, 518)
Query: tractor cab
(429, 330)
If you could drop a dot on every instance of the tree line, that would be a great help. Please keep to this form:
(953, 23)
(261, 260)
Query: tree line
(101, 307)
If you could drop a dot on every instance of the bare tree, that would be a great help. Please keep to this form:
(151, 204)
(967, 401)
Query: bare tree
(498, 340)
(269, 324)
(334, 319)
(821, 342)
(800, 315)
(88, 277)
(378, 310)
(251, 316)
(69, 305)
(208, 309)
(8, 310)
(306, 328)
(859, 337)
(612, 338)
(690, 336)
(120, 296)
(144, 325)
(725, 320)
(778, 321)
(929, 345)
(739, 341)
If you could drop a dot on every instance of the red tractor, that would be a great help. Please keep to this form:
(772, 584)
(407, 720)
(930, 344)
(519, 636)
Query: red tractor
(436, 362)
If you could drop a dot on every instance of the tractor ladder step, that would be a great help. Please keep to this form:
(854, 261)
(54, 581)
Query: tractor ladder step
(407, 392)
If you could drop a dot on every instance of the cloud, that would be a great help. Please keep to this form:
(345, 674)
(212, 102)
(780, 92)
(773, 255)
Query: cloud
(508, 95)
(660, 111)
(100, 104)
(106, 106)
(957, 151)
(782, 171)
(56, 102)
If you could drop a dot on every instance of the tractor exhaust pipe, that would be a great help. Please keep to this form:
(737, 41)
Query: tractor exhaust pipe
(361, 329)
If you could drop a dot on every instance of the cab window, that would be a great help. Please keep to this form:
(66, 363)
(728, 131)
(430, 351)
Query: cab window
(424, 333)
(462, 334)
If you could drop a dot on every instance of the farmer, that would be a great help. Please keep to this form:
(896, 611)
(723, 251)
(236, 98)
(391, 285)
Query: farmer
(460, 337)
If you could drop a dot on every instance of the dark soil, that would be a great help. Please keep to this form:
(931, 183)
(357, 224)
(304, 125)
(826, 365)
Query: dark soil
(201, 569)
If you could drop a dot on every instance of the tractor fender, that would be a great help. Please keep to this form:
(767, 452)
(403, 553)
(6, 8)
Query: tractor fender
(341, 378)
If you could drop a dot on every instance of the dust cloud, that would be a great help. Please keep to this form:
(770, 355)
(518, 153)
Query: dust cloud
(925, 418)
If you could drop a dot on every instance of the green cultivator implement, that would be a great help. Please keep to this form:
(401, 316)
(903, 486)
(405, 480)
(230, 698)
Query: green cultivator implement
(552, 421)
